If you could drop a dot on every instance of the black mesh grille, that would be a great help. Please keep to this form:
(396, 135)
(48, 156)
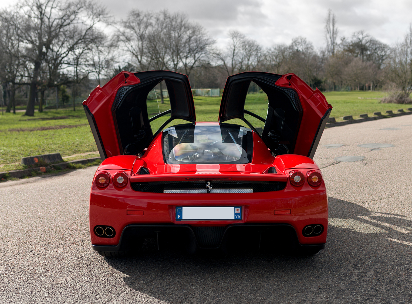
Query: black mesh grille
(209, 237)
(159, 187)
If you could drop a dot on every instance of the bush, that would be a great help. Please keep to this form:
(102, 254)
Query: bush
(398, 97)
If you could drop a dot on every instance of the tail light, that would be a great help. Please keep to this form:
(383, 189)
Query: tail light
(296, 178)
(314, 178)
(120, 179)
(102, 180)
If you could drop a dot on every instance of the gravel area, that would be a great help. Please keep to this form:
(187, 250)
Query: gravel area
(46, 256)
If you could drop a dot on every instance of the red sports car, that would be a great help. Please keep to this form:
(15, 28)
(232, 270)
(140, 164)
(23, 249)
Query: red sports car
(207, 184)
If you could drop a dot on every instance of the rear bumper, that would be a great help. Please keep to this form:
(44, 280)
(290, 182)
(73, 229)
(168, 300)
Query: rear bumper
(127, 208)
(211, 237)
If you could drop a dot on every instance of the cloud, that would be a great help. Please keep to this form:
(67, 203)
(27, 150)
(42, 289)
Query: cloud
(198, 11)
(216, 16)
(272, 22)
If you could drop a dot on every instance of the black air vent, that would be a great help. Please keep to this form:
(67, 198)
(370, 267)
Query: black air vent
(209, 237)
(159, 187)
(143, 171)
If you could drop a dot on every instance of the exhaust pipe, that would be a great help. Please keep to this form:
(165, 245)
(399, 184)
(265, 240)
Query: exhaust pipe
(308, 230)
(318, 229)
(99, 231)
(104, 231)
(109, 232)
(312, 230)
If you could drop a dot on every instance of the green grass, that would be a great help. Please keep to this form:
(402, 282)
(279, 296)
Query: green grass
(22, 136)
(67, 132)
(207, 109)
(356, 103)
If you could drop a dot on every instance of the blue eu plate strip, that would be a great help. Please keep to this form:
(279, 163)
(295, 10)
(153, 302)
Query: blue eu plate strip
(238, 213)
(178, 213)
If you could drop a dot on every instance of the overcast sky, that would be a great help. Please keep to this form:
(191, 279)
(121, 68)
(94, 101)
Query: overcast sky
(278, 21)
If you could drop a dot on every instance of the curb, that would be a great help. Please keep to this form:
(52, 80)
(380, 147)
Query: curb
(364, 117)
(28, 172)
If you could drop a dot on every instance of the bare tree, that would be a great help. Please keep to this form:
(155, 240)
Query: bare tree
(53, 26)
(334, 68)
(303, 59)
(275, 59)
(164, 40)
(11, 58)
(331, 33)
(102, 58)
(359, 73)
(251, 55)
(359, 45)
(399, 68)
(378, 52)
(196, 45)
(133, 35)
(230, 57)
(241, 54)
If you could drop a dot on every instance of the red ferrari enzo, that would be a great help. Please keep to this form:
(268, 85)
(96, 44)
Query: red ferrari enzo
(207, 184)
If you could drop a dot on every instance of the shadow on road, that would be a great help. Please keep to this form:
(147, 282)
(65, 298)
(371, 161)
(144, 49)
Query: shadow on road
(368, 258)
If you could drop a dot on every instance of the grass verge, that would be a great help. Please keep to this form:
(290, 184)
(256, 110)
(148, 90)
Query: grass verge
(52, 169)
(67, 132)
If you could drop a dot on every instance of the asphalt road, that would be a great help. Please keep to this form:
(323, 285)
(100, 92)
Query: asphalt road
(45, 254)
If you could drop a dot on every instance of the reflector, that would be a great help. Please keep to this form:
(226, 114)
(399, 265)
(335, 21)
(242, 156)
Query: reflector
(296, 178)
(120, 180)
(102, 180)
(314, 178)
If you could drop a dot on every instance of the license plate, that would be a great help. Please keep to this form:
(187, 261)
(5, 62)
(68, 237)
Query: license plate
(208, 213)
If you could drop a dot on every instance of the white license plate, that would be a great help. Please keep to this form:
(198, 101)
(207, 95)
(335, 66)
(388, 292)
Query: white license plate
(208, 213)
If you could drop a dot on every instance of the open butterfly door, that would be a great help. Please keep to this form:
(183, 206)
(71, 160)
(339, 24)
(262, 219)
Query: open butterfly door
(296, 114)
(118, 116)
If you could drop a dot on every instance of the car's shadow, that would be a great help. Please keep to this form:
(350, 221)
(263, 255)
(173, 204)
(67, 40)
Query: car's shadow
(368, 257)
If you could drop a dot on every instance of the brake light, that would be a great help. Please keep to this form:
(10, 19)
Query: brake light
(102, 180)
(314, 178)
(296, 178)
(120, 179)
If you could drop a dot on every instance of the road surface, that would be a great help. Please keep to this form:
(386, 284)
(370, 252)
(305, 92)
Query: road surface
(46, 255)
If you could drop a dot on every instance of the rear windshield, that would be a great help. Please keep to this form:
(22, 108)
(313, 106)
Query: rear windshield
(207, 144)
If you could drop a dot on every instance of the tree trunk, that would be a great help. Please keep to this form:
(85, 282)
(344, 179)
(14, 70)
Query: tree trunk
(161, 92)
(41, 100)
(57, 97)
(33, 90)
(6, 95)
(2, 99)
(13, 97)
(74, 97)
